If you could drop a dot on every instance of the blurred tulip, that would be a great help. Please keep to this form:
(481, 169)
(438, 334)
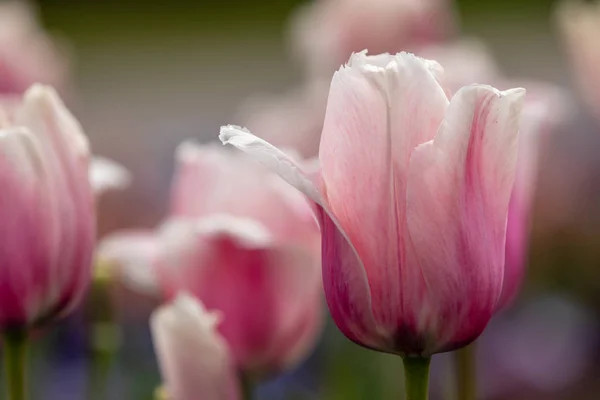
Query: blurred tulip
(579, 24)
(27, 54)
(546, 345)
(326, 32)
(106, 175)
(293, 120)
(244, 243)
(465, 61)
(194, 358)
(412, 198)
(47, 212)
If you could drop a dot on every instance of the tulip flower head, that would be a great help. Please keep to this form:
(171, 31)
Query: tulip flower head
(412, 198)
(326, 32)
(194, 358)
(27, 53)
(579, 24)
(244, 243)
(48, 214)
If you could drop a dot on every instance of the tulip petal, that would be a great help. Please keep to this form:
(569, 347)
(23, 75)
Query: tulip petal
(457, 201)
(213, 180)
(380, 108)
(273, 158)
(67, 152)
(194, 358)
(107, 175)
(231, 264)
(25, 228)
(131, 256)
(348, 293)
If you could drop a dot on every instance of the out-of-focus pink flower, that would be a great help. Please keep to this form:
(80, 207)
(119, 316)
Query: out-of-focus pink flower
(48, 214)
(465, 61)
(106, 175)
(412, 198)
(579, 24)
(246, 244)
(195, 360)
(469, 61)
(27, 54)
(130, 256)
(293, 120)
(326, 32)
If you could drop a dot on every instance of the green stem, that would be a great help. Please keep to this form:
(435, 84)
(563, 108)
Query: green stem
(247, 387)
(15, 360)
(416, 373)
(104, 334)
(466, 385)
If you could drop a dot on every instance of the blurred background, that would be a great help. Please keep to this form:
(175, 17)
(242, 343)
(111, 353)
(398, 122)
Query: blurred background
(147, 75)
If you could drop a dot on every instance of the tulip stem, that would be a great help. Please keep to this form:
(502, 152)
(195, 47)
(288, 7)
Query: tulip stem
(466, 386)
(15, 360)
(247, 387)
(416, 373)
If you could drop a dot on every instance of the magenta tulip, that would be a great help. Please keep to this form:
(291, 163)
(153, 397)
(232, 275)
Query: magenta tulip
(48, 214)
(412, 198)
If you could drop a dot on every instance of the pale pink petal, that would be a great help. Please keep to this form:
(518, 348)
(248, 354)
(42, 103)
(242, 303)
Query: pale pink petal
(544, 109)
(106, 175)
(26, 228)
(215, 180)
(194, 359)
(131, 256)
(458, 193)
(380, 108)
(72, 201)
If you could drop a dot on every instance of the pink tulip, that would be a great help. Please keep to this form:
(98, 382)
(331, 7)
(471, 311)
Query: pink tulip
(412, 198)
(326, 32)
(27, 54)
(579, 23)
(194, 358)
(47, 211)
(292, 120)
(244, 243)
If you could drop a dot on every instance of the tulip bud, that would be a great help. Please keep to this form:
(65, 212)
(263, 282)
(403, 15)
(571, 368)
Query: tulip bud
(194, 359)
(412, 199)
(48, 229)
